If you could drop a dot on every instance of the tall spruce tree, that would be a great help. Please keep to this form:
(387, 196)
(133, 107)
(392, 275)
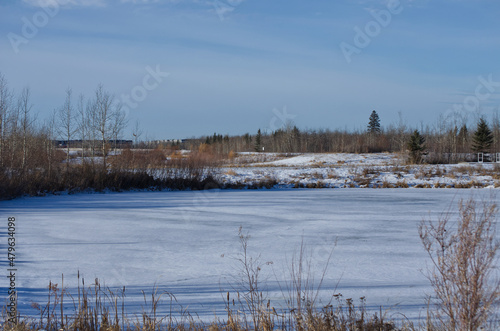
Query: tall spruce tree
(483, 137)
(258, 142)
(374, 123)
(416, 147)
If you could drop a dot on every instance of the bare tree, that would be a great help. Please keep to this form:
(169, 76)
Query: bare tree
(48, 131)
(464, 259)
(26, 121)
(402, 130)
(118, 123)
(137, 132)
(12, 133)
(496, 130)
(104, 112)
(81, 126)
(5, 104)
(67, 123)
(91, 127)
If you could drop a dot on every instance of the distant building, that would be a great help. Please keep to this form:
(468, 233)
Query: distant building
(167, 141)
(119, 143)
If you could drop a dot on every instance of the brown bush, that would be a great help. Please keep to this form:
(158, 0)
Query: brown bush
(464, 259)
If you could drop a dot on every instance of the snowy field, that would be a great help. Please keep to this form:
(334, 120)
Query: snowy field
(187, 243)
(339, 170)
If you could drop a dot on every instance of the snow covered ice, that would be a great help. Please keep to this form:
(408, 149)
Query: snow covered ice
(187, 243)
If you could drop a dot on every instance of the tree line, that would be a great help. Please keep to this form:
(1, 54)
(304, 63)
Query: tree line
(30, 161)
(444, 142)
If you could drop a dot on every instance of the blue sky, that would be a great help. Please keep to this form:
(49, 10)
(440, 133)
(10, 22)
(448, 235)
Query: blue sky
(235, 66)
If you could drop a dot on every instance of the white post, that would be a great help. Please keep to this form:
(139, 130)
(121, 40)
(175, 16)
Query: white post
(480, 157)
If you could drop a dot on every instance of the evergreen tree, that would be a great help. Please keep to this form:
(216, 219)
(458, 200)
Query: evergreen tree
(483, 137)
(416, 147)
(258, 139)
(374, 123)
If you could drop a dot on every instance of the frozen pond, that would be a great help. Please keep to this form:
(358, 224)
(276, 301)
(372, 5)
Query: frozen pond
(187, 243)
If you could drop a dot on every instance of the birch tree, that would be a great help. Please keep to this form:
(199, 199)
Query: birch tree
(67, 123)
(81, 123)
(5, 104)
(107, 119)
(26, 122)
(118, 123)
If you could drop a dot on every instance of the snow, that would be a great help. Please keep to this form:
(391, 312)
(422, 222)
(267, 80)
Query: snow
(338, 170)
(187, 243)
(329, 159)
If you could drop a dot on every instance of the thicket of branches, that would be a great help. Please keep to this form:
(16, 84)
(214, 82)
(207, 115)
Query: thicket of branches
(32, 163)
(463, 274)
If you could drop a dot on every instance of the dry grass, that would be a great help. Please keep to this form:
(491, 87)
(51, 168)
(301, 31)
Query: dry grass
(370, 171)
(268, 182)
(317, 175)
(318, 164)
(423, 185)
(463, 276)
(469, 184)
(260, 159)
(332, 175)
(317, 184)
(363, 181)
(402, 184)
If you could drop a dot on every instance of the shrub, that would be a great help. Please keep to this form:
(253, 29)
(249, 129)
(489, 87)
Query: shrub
(402, 184)
(464, 258)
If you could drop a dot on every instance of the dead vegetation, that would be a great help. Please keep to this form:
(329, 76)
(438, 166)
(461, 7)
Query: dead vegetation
(463, 272)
